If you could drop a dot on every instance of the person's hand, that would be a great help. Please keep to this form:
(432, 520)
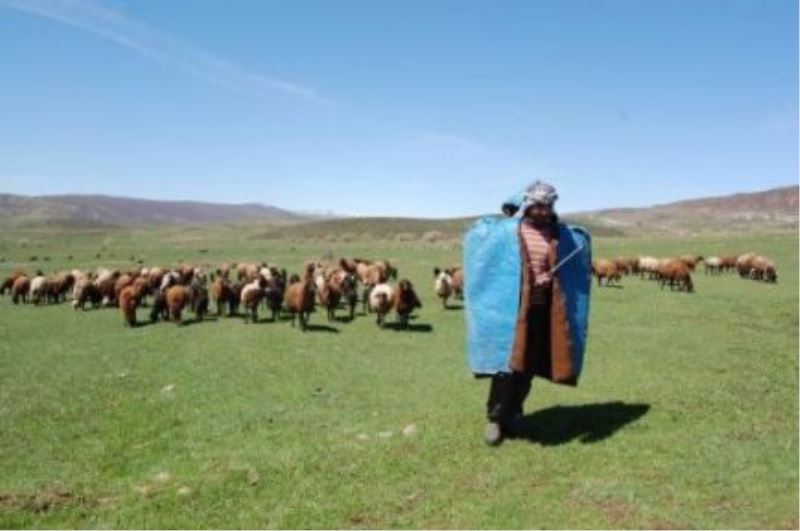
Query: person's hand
(543, 279)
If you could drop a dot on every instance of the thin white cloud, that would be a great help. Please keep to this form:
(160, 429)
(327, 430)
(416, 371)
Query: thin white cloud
(159, 46)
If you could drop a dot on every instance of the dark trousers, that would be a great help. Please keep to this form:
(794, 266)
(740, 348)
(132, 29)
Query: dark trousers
(508, 391)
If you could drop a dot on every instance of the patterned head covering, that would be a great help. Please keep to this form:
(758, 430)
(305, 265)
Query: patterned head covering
(539, 193)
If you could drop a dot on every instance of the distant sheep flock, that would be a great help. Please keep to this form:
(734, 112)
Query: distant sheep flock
(677, 271)
(232, 288)
(246, 287)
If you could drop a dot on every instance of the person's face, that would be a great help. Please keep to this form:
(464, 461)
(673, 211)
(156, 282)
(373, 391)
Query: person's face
(539, 214)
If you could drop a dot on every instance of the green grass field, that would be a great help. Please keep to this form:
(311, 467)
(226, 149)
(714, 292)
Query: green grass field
(686, 414)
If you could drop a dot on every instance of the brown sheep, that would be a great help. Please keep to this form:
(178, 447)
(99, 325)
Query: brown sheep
(677, 273)
(458, 282)
(154, 277)
(106, 282)
(20, 289)
(405, 301)
(8, 283)
(744, 264)
(178, 297)
(728, 263)
(221, 293)
(605, 269)
(329, 297)
(128, 299)
(299, 298)
(121, 283)
(763, 269)
(58, 286)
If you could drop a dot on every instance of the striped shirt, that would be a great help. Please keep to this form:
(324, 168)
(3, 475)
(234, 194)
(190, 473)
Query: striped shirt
(537, 244)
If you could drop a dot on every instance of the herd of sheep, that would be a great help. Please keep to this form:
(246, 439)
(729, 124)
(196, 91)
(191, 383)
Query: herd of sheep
(248, 286)
(677, 272)
(330, 284)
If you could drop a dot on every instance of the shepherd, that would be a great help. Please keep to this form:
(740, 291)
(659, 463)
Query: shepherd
(527, 300)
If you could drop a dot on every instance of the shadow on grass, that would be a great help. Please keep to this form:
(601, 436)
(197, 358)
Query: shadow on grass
(588, 423)
(411, 327)
(320, 328)
(454, 307)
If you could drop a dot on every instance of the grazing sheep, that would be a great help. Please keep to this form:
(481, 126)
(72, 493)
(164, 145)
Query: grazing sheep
(458, 282)
(763, 269)
(329, 295)
(349, 287)
(648, 265)
(154, 277)
(8, 283)
(222, 294)
(442, 285)
(626, 265)
(58, 286)
(728, 263)
(236, 293)
(251, 296)
(159, 309)
(677, 273)
(380, 301)
(199, 298)
(405, 301)
(128, 299)
(124, 280)
(299, 298)
(605, 269)
(274, 293)
(20, 289)
(744, 264)
(38, 289)
(178, 297)
(169, 279)
(86, 291)
(713, 265)
(105, 282)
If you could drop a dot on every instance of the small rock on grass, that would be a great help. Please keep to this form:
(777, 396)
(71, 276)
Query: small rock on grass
(253, 477)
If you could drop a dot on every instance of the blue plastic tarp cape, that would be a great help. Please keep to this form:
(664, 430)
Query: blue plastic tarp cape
(493, 278)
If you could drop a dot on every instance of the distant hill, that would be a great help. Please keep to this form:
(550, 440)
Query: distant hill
(94, 210)
(769, 210)
(397, 229)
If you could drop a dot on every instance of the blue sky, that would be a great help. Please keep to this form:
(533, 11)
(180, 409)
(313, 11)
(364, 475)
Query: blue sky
(414, 108)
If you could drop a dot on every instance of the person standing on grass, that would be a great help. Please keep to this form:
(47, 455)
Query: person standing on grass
(547, 323)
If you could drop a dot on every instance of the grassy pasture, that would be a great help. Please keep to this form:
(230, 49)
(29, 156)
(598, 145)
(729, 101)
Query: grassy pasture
(686, 415)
